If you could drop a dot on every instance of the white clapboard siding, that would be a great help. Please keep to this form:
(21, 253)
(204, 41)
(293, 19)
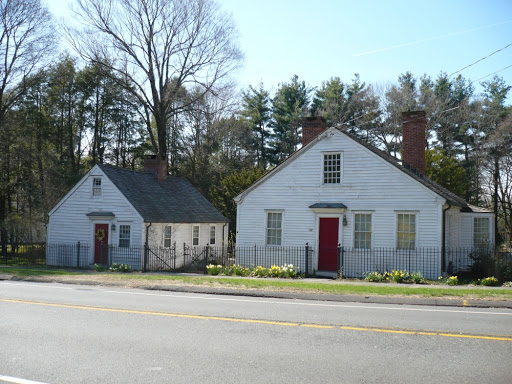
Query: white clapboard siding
(369, 183)
(182, 234)
(69, 223)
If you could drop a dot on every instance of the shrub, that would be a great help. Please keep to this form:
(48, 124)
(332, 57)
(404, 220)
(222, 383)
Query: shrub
(99, 267)
(213, 269)
(275, 271)
(400, 276)
(452, 280)
(375, 277)
(489, 281)
(115, 267)
(238, 270)
(417, 278)
(260, 271)
(288, 271)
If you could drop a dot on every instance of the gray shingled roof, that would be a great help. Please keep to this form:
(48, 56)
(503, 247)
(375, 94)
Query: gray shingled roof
(450, 197)
(174, 200)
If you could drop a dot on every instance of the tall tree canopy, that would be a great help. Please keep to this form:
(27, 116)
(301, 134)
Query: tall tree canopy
(160, 46)
(26, 39)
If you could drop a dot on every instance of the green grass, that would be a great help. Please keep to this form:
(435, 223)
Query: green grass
(299, 285)
(24, 272)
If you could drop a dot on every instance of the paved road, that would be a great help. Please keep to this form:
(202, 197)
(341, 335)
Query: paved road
(53, 333)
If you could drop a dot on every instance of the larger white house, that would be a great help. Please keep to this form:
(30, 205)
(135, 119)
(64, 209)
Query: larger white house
(126, 209)
(339, 190)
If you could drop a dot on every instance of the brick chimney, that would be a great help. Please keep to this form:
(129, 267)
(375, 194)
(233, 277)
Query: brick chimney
(312, 127)
(414, 140)
(156, 165)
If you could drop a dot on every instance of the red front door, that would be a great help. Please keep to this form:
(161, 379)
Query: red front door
(100, 243)
(328, 244)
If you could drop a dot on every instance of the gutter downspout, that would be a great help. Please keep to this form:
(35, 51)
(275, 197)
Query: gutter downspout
(224, 234)
(443, 236)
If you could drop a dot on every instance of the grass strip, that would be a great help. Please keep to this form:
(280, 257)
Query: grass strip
(25, 272)
(302, 285)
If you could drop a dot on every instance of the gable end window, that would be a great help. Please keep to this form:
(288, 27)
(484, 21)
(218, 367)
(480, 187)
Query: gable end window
(274, 230)
(480, 232)
(332, 168)
(124, 236)
(96, 186)
(363, 230)
(406, 231)
(168, 236)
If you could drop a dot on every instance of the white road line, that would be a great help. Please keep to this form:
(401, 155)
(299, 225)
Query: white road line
(17, 380)
(270, 301)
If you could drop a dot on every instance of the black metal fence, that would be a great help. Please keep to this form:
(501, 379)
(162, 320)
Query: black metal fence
(24, 255)
(352, 262)
(74, 255)
(357, 262)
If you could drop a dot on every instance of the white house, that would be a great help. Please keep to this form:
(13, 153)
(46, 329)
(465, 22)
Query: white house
(339, 190)
(116, 207)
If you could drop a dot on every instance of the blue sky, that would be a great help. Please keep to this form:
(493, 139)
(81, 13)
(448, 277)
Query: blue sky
(377, 39)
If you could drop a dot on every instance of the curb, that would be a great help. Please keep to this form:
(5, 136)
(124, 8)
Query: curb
(368, 299)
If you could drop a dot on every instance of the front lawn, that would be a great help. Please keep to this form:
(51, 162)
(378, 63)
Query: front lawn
(336, 287)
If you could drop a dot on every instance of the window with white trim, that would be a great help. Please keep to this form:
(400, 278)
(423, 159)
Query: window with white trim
(406, 231)
(96, 186)
(124, 236)
(274, 228)
(195, 235)
(168, 236)
(363, 230)
(212, 235)
(480, 232)
(332, 168)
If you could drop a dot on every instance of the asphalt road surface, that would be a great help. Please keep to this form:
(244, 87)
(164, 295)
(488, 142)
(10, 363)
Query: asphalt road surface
(54, 333)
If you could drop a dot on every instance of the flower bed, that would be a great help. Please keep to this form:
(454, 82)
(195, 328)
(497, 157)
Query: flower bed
(286, 271)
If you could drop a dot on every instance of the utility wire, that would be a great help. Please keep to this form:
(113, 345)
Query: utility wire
(499, 70)
(483, 58)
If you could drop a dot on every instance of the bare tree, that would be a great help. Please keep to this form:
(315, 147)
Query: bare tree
(26, 38)
(160, 46)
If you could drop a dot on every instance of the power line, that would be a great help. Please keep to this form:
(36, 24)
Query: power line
(483, 58)
(499, 70)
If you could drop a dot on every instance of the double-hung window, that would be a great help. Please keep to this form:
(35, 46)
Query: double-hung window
(332, 168)
(363, 230)
(274, 228)
(168, 236)
(406, 231)
(212, 235)
(195, 235)
(480, 232)
(124, 236)
(96, 186)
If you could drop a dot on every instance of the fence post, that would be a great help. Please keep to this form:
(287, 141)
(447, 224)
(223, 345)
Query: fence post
(145, 257)
(206, 258)
(307, 259)
(340, 260)
(78, 255)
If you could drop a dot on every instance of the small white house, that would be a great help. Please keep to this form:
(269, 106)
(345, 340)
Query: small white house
(339, 190)
(117, 207)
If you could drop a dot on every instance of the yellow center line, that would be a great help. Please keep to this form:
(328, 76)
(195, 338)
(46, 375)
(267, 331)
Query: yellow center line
(266, 322)
(423, 333)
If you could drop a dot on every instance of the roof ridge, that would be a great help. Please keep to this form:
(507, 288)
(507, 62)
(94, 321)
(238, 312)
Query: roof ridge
(414, 173)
